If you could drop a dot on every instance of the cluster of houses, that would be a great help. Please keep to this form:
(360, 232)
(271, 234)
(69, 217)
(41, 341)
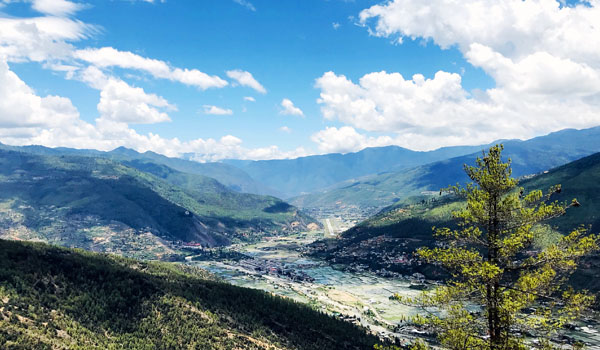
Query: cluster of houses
(264, 266)
(359, 258)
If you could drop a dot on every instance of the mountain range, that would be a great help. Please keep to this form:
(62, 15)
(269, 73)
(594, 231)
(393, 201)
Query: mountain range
(528, 157)
(303, 175)
(122, 200)
(228, 175)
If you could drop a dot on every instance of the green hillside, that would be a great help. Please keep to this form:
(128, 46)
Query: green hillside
(232, 177)
(208, 190)
(100, 204)
(228, 175)
(401, 228)
(56, 298)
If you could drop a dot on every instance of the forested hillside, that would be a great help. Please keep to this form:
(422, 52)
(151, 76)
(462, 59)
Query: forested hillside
(56, 298)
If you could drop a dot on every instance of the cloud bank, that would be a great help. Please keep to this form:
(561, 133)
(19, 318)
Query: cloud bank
(544, 58)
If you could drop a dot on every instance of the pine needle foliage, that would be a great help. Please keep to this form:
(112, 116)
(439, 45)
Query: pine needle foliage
(502, 286)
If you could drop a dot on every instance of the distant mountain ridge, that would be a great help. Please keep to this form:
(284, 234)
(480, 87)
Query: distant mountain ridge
(309, 177)
(528, 157)
(308, 174)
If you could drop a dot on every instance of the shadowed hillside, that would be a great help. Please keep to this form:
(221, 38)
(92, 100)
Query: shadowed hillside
(95, 203)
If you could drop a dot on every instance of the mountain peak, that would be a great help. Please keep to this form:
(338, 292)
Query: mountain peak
(122, 150)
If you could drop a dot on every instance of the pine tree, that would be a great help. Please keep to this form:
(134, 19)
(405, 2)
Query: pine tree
(502, 286)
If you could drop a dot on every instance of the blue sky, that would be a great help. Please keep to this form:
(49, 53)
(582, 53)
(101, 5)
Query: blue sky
(106, 73)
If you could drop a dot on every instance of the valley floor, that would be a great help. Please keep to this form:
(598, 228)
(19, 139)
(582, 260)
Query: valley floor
(277, 265)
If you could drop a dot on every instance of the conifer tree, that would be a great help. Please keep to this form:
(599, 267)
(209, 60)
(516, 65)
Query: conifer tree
(502, 286)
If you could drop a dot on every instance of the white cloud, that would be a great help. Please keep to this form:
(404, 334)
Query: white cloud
(514, 28)
(120, 102)
(335, 25)
(21, 108)
(56, 7)
(537, 73)
(285, 129)
(247, 4)
(53, 121)
(384, 102)
(123, 103)
(347, 139)
(430, 113)
(289, 108)
(249, 99)
(544, 58)
(522, 31)
(110, 57)
(40, 38)
(244, 78)
(208, 109)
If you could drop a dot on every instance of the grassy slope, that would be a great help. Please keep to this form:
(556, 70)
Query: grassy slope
(113, 191)
(579, 179)
(55, 298)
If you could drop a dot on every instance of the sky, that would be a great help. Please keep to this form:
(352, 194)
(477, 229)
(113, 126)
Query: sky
(265, 79)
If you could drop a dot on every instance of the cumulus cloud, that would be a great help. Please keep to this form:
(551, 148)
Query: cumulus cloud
(132, 105)
(537, 73)
(121, 102)
(430, 113)
(544, 58)
(22, 111)
(209, 109)
(514, 28)
(347, 139)
(249, 99)
(289, 108)
(111, 57)
(285, 129)
(27, 118)
(53, 121)
(244, 78)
